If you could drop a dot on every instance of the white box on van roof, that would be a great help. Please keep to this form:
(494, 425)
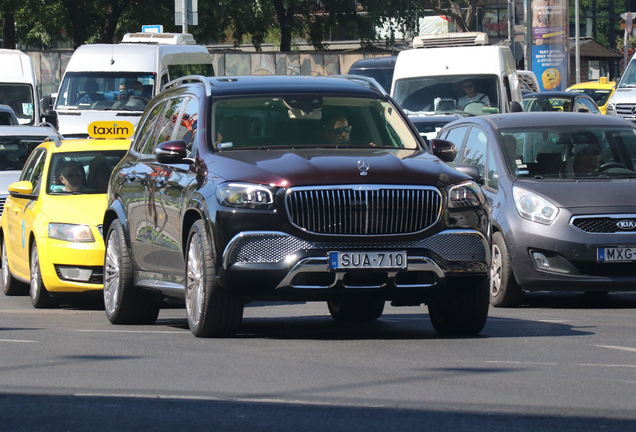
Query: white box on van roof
(90, 89)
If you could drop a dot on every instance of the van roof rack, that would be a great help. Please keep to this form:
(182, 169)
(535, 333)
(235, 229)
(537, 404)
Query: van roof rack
(160, 38)
(450, 40)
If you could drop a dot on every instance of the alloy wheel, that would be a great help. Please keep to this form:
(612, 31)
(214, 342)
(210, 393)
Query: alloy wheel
(194, 283)
(35, 274)
(111, 274)
(495, 270)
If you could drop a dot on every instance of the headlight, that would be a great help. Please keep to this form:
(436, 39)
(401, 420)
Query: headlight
(245, 195)
(467, 194)
(611, 107)
(533, 207)
(71, 233)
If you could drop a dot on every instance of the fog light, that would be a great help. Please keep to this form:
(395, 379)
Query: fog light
(75, 274)
(540, 260)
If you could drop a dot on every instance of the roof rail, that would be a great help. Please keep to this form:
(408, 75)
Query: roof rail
(190, 78)
(450, 40)
(373, 84)
(160, 38)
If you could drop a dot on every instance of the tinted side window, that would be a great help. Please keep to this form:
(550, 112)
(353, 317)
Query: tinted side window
(493, 176)
(168, 120)
(188, 123)
(31, 164)
(146, 129)
(476, 150)
(456, 136)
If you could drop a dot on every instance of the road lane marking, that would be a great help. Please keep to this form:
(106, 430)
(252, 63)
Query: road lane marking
(617, 348)
(17, 340)
(134, 331)
(561, 364)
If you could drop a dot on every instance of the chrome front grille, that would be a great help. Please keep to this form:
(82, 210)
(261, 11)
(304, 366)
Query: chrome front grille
(364, 209)
(625, 110)
(606, 224)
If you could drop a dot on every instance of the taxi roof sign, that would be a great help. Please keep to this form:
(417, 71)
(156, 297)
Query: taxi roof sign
(111, 129)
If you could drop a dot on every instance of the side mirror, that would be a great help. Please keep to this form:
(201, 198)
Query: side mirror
(47, 103)
(21, 189)
(471, 171)
(515, 107)
(445, 150)
(50, 116)
(171, 151)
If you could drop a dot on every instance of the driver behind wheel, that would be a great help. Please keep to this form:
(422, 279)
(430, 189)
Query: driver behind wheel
(586, 160)
(471, 95)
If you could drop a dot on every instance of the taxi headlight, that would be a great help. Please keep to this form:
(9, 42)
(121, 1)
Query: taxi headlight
(534, 207)
(245, 195)
(464, 195)
(71, 233)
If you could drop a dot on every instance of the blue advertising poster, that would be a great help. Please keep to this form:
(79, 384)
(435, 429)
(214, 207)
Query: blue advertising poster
(550, 20)
(550, 64)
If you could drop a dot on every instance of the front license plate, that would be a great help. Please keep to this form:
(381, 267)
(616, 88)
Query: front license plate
(371, 260)
(615, 254)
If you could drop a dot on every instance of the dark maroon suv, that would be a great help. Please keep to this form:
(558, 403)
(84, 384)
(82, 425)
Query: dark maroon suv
(238, 189)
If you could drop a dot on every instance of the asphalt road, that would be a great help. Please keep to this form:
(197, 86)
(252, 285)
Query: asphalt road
(560, 362)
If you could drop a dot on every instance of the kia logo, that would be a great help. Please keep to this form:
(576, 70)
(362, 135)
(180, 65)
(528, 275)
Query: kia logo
(626, 224)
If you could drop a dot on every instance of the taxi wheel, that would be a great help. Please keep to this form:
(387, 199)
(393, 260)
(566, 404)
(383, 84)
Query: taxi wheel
(122, 302)
(10, 285)
(460, 310)
(40, 297)
(504, 290)
(211, 310)
(355, 310)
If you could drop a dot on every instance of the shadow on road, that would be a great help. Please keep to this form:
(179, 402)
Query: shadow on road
(579, 300)
(34, 413)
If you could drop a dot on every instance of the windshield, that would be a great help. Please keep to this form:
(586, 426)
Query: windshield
(20, 98)
(570, 152)
(122, 91)
(82, 173)
(600, 96)
(384, 77)
(628, 79)
(15, 150)
(463, 94)
(309, 120)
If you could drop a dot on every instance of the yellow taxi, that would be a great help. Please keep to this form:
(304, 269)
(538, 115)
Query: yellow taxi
(50, 232)
(600, 91)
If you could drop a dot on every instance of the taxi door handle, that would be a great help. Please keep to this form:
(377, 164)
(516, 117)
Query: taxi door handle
(16, 210)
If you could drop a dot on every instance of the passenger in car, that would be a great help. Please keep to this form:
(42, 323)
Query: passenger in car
(585, 161)
(337, 129)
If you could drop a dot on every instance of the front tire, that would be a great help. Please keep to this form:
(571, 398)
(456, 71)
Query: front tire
(40, 296)
(460, 311)
(10, 285)
(355, 310)
(504, 289)
(211, 310)
(123, 303)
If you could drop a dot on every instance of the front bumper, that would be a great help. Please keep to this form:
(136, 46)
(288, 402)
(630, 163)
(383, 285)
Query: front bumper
(279, 264)
(57, 256)
(571, 254)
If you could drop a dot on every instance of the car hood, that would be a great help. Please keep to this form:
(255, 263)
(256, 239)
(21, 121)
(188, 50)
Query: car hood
(329, 167)
(6, 178)
(583, 193)
(76, 209)
(624, 95)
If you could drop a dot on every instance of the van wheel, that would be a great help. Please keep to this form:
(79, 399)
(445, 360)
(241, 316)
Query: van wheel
(460, 311)
(10, 285)
(504, 290)
(123, 303)
(211, 310)
(40, 296)
(356, 310)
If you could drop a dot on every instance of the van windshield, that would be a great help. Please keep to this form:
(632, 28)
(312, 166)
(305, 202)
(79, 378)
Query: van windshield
(20, 98)
(120, 91)
(463, 94)
(629, 76)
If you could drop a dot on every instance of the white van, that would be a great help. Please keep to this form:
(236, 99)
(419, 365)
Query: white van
(468, 80)
(18, 87)
(622, 103)
(115, 82)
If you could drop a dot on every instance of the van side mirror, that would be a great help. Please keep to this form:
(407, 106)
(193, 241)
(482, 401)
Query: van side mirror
(50, 117)
(47, 103)
(445, 150)
(515, 107)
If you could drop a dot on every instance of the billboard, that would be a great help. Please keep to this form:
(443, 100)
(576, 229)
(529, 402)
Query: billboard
(549, 40)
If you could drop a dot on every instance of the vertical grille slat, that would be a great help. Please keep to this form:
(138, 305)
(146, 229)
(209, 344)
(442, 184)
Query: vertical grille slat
(363, 210)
